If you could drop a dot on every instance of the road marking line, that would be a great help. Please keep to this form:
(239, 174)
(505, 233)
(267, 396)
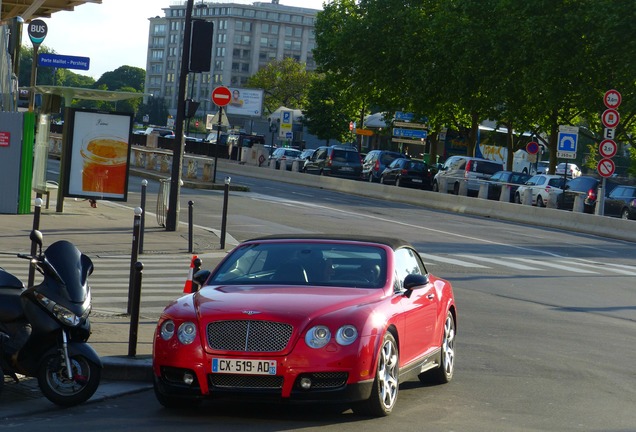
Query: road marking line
(499, 261)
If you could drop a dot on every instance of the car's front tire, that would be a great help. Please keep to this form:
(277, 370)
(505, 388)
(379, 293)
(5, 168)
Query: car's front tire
(540, 202)
(386, 385)
(625, 214)
(172, 402)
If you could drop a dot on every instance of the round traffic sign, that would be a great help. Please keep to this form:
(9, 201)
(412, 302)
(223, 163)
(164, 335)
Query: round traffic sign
(612, 99)
(610, 118)
(221, 96)
(607, 148)
(532, 148)
(37, 31)
(605, 167)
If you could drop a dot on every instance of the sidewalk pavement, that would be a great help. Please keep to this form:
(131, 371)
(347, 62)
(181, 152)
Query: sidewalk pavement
(105, 230)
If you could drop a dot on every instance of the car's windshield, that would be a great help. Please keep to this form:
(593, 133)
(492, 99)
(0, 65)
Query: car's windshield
(304, 263)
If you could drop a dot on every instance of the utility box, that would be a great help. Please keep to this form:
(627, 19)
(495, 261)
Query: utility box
(11, 124)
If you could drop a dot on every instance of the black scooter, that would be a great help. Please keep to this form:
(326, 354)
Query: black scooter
(44, 328)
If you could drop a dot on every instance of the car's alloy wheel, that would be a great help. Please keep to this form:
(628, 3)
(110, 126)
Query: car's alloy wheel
(444, 373)
(540, 202)
(385, 387)
(435, 187)
(625, 214)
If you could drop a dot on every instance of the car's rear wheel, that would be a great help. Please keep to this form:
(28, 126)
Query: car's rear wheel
(435, 187)
(540, 202)
(444, 373)
(625, 214)
(385, 387)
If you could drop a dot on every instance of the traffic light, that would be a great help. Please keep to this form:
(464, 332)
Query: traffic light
(201, 46)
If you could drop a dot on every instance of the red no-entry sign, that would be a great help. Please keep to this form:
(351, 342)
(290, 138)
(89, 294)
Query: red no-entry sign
(221, 96)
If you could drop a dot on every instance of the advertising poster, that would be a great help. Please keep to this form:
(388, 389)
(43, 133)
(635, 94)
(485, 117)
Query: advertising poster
(99, 153)
(247, 102)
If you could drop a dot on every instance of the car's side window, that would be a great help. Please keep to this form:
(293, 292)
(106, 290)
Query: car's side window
(406, 263)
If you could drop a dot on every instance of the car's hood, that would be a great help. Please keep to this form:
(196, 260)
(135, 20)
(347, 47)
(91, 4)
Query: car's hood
(288, 303)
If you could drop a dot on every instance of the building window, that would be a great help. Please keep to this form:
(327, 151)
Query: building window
(218, 78)
(264, 28)
(172, 51)
(274, 29)
(221, 37)
(285, 17)
(245, 67)
(287, 44)
(220, 51)
(156, 54)
(298, 32)
(174, 38)
(218, 65)
(272, 16)
(296, 19)
(159, 29)
(174, 26)
(288, 31)
(222, 25)
(156, 68)
(158, 41)
(170, 77)
(296, 45)
(170, 65)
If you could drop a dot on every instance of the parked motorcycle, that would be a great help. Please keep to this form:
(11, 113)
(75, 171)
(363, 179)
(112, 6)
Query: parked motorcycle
(44, 329)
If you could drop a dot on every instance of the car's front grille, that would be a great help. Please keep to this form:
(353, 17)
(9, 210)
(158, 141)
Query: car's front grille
(225, 381)
(248, 336)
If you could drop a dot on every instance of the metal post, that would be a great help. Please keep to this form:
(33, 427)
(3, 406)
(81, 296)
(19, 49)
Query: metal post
(133, 256)
(36, 225)
(144, 185)
(216, 145)
(190, 224)
(134, 315)
(224, 220)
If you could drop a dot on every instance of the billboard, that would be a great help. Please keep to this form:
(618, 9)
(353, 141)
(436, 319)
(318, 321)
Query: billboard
(247, 102)
(98, 153)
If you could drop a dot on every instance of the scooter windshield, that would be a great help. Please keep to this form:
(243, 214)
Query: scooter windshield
(72, 266)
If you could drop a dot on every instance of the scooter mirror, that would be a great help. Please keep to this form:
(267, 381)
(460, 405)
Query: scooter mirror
(36, 237)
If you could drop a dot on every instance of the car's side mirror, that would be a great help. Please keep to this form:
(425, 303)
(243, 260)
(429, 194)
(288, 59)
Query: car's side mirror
(413, 281)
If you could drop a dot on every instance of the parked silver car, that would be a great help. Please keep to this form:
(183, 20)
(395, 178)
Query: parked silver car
(458, 169)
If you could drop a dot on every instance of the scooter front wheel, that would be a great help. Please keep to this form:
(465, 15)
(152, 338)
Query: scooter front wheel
(63, 390)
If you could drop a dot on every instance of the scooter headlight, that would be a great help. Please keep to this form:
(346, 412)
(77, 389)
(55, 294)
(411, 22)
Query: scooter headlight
(59, 312)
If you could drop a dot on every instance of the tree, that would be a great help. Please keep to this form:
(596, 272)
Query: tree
(284, 82)
(329, 110)
(123, 76)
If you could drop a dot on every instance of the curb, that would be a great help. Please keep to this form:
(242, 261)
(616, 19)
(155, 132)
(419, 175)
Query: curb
(124, 368)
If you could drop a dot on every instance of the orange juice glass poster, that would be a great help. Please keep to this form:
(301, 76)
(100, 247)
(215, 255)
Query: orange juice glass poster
(99, 155)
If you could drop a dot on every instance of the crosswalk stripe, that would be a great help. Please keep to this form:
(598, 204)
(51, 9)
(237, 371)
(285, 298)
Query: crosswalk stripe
(451, 261)
(555, 265)
(499, 261)
(609, 267)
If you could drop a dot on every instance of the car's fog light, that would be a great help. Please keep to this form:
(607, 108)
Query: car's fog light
(188, 379)
(305, 383)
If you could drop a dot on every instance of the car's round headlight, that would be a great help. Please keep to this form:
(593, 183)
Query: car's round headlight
(167, 329)
(318, 337)
(346, 335)
(187, 332)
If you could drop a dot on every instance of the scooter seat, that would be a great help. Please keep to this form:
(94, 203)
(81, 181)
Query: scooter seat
(10, 304)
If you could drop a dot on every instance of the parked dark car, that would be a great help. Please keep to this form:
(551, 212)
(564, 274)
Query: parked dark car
(407, 173)
(509, 179)
(583, 185)
(337, 160)
(621, 202)
(376, 161)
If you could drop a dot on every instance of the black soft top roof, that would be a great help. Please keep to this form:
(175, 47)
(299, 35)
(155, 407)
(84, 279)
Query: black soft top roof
(393, 243)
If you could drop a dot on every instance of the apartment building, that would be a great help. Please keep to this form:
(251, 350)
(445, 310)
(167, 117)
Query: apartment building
(246, 38)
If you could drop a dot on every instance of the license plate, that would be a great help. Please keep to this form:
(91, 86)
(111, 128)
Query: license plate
(244, 366)
(346, 169)
(417, 181)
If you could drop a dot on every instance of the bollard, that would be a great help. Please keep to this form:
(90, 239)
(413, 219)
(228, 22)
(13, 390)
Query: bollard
(224, 219)
(463, 188)
(134, 255)
(142, 225)
(483, 191)
(134, 315)
(190, 224)
(34, 247)
(504, 194)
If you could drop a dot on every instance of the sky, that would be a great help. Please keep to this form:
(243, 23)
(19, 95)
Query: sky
(114, 33)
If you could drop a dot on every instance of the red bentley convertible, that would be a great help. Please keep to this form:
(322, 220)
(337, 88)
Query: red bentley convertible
(308, 318)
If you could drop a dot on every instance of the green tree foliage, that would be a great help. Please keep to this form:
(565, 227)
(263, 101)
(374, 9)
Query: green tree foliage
(532, 65)
(330, 109)
(123, 76)
(284, 82)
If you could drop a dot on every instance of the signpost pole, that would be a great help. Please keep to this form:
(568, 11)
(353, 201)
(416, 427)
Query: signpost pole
(216, 145)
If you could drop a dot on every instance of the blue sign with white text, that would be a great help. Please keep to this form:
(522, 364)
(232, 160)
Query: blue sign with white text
(410, 133)
(63, 61)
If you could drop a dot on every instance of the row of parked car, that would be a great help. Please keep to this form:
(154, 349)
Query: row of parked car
(394, 168)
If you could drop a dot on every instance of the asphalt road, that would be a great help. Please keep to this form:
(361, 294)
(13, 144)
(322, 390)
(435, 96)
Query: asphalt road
(546, 328)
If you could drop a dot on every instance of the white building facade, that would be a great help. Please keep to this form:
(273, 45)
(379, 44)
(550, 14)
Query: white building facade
(246, 38)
